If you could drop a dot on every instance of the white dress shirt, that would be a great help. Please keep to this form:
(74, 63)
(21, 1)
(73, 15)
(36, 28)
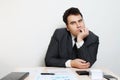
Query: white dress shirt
(78, 44)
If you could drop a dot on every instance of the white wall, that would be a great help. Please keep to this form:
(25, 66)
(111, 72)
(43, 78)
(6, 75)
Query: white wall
(26, 27)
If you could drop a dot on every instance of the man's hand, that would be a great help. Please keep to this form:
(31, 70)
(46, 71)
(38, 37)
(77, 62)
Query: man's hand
(79, 63)
(84, 32)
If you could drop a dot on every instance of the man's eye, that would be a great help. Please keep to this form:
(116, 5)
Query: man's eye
(80, 20)
(72, 23)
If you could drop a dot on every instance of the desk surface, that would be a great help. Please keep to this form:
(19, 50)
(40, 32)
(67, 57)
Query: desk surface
(35, 72)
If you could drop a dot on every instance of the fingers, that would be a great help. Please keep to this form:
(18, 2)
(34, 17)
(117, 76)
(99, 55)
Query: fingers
(84, 66)
(84, 30)
(82, 61)
(79, 63)
(81, 30)
(82, 34)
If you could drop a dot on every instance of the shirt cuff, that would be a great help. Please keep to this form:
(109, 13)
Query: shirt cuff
(68, 63)
(79, 44)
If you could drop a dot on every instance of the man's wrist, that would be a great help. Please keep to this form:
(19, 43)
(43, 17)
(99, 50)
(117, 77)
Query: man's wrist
(79, 44)
(68, 63)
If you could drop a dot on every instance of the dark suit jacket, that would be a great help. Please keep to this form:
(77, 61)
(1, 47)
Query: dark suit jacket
(60, 49)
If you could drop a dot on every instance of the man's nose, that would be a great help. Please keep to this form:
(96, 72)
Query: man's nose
(78, 25)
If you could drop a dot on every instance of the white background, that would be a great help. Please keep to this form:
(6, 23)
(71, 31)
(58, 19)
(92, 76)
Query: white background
(26, 27)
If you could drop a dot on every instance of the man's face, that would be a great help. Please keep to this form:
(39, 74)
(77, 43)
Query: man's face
(75, 24)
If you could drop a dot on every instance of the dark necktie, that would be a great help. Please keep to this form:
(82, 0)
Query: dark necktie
(75, 47)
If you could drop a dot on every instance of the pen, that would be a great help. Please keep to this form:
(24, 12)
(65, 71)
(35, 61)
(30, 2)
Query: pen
(47, 73)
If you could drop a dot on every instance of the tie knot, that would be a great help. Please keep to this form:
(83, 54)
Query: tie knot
(75, 39)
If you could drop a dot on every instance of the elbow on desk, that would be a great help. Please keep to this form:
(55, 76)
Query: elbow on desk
(49, 63)
(92, 63)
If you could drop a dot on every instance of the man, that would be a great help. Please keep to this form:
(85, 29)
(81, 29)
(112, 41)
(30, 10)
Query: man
(65, 51)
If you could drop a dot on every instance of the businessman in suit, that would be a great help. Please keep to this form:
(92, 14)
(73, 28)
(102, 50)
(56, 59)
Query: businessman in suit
(74, 46)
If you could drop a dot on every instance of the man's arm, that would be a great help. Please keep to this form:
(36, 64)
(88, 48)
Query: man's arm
(52, 56)
(88, 52)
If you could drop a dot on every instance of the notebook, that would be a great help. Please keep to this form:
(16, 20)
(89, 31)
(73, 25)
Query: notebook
(16, 76)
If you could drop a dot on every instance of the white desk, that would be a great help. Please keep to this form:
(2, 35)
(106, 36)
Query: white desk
(34, 72)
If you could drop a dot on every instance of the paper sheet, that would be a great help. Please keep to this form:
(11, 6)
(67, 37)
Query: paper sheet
(56, 77)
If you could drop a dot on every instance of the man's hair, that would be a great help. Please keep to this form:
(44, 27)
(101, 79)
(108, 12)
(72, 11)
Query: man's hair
(71, 11)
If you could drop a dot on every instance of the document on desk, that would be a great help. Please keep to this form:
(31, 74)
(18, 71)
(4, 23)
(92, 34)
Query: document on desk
(56, 77)
(59, 74)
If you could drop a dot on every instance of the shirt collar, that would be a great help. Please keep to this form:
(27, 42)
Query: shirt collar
(73, 37)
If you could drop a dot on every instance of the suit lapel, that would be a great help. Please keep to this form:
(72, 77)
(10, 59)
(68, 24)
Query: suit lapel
(69, 45)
